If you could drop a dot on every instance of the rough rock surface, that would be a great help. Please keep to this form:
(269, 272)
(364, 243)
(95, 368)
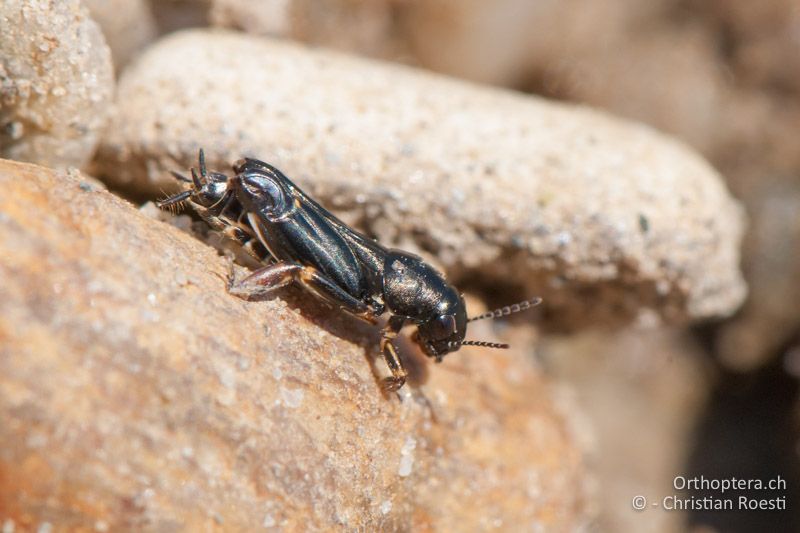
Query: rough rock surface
(135, 393)
(524, 196)
(56, 82)
(128, 26)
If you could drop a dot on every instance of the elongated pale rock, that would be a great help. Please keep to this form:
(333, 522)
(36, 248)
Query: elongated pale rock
(606, 219)
(136, 394)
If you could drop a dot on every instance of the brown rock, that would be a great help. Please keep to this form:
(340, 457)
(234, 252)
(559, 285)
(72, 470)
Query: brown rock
(512, 192)
(136, 394)
(173, 15)
(622, 55)
(762, 39)
(56, 82)
(365, 27)
(771, 316)
(665, 77)
(128, 26)
(480, 41)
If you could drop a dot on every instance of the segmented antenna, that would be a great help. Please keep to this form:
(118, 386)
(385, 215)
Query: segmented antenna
(202, 159)
(486, 344)
(507, 310)
(176, 199)
(180, 177)
(196, 180)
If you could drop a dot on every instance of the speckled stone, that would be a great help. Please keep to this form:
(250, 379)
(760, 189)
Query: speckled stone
(135, 393)
(56, 82)
(513, 194)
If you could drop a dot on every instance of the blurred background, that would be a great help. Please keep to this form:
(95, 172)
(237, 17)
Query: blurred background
(718, 399)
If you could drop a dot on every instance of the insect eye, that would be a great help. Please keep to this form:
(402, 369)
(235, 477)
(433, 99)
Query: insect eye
(444, 326)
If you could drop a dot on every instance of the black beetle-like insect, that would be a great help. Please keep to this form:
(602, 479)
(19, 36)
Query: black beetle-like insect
(298, 240)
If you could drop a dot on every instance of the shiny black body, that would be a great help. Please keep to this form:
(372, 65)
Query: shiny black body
(299, 241)
(294, 227)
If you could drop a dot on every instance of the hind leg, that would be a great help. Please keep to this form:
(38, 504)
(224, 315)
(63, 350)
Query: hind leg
(265, 280)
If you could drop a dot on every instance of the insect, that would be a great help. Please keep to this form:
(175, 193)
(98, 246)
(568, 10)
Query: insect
(299, 241)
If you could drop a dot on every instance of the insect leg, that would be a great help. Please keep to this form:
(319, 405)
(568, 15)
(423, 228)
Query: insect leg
(256, 250)
(236, 234)
(389, 353)
(322, 286)
(211, 218)
(247, 242)
(263, 281)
